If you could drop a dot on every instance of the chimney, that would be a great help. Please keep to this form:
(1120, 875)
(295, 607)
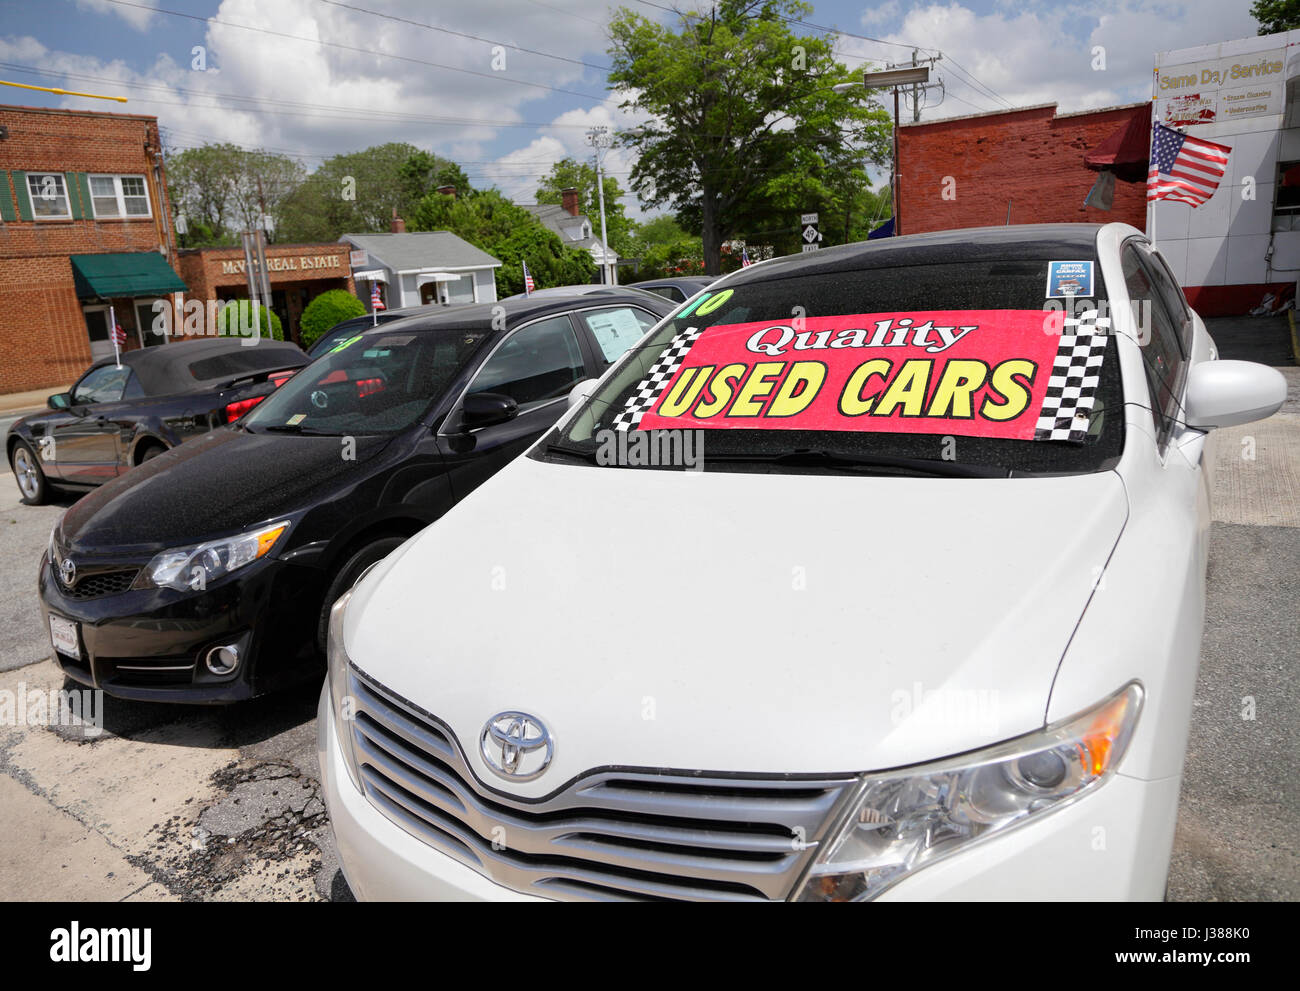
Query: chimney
(398, 225)
(569, 200)
(448, 191)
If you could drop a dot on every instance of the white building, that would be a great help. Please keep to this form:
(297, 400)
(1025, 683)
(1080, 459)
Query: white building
(577, 230)
(423, 267)
(1244, 242)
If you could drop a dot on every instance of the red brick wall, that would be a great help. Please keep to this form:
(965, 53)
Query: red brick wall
(1031, 157)
(43, 339)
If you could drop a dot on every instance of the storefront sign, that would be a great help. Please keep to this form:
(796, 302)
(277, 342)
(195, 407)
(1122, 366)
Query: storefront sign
(286, 263)
(1221, 89)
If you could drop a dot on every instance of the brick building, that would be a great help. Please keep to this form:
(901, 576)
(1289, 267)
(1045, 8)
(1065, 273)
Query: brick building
(85, 230)
(1024, 164)
(298, 273)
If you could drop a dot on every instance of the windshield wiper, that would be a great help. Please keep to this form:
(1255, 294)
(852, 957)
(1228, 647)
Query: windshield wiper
(298, 428)
(564, 450)
(815, 458)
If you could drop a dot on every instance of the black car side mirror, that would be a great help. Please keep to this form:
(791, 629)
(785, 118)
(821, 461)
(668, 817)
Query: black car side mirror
(60, 400)
(483, 409)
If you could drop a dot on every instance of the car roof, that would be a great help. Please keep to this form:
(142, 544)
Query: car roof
(517, 310)
(695, 281)
(165, 368)
(1013, 242)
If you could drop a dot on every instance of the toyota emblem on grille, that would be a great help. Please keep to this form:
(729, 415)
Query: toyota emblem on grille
(516, 746)
(68, 572)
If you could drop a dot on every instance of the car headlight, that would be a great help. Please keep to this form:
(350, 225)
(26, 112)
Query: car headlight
(340, 699)
(905, 820)
(192, 569)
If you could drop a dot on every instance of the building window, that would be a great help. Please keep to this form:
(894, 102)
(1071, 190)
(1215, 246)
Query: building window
(119, 196)
(49, 196)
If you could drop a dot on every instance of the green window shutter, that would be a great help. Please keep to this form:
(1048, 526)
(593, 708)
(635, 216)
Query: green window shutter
(6, 201)
(83, 186)
(24, 199)
(74, 195)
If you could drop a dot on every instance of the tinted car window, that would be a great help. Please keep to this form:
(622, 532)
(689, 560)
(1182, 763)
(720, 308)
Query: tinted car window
(1167, 286)
(245, 361)
(617, 328)
(1158, 337)
(668, 292)
(104, 385)
(536, 364)
(994, 285)
(380, 383)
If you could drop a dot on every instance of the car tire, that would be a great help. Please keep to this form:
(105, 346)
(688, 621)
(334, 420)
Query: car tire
(33, 489)
(151, 451)
(347, 575)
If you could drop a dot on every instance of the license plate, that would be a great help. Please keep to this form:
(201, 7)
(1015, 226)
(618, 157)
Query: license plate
(63, 634)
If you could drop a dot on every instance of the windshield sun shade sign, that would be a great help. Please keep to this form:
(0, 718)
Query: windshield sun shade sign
(1010, 374)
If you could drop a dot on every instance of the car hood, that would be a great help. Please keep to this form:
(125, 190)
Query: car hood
(739, 622)
(221, 483)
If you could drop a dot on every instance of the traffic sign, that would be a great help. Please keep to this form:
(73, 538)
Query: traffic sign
(808, 218)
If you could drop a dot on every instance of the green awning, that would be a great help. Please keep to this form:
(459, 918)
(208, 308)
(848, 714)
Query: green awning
(139, 273)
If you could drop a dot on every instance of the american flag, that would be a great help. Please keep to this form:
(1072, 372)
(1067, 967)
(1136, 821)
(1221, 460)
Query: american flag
(744, 258)
(528, 279)
(1183, 168)
(376, 300)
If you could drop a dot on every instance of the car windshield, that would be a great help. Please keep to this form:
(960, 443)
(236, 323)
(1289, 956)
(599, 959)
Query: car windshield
(376, 383)
(977, 368)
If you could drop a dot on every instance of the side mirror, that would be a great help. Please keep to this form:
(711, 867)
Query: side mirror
(483, 409)
(1228, 393)
(580, 392)
(60, 400)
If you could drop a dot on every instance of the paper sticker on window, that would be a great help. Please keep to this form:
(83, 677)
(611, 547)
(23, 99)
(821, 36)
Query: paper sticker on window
(1010, 374)
(345, 344)
(1069, 279)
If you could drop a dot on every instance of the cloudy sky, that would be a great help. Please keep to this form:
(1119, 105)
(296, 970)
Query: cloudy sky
(315, 77)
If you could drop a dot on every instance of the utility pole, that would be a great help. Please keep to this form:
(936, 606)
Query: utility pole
(599, 139)
(917, 88)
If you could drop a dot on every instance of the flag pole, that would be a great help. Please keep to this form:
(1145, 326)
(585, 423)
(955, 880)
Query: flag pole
(374, 311)
(112, 332)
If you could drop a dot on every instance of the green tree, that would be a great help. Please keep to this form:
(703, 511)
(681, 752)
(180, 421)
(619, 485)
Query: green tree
(570, 173)
(326, 311)
(663, 247)
(1276, 16)
(238, 314)
(358, 192)
(222, 189)
(746, 130)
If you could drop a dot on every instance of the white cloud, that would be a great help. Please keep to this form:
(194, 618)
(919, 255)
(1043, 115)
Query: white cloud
(138, 15)
(1043, 52)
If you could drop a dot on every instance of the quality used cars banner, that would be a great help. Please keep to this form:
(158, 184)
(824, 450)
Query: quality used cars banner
(1013, 374)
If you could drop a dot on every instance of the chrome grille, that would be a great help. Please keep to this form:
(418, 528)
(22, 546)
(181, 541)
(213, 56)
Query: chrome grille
(608, 835)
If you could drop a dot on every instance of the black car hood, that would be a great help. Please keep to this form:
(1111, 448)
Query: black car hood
(221, 483)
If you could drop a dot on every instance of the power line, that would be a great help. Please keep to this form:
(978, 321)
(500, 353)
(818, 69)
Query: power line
(462, 34)
(362, 51)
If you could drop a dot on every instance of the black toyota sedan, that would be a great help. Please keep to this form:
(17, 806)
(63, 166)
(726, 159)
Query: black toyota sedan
(119, 415)
(206, 574)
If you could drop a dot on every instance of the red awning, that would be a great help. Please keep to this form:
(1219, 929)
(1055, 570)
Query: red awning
(1126, 152)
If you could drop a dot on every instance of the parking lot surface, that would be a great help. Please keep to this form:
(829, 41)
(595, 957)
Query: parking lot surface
(195, 803)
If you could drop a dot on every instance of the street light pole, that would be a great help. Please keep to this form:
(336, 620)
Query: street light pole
(598, 137)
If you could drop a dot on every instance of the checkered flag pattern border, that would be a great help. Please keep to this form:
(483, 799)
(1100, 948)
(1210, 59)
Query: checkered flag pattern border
(647, 392)
(1076, 373)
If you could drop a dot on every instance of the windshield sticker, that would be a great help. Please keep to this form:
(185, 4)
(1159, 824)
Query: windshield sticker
(296, 419)
(1009, 374)
(1069, 279)
(345, 344)
(394, 341)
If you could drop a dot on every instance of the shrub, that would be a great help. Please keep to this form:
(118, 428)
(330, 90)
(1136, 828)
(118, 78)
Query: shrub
(327, 311)
(238, 314)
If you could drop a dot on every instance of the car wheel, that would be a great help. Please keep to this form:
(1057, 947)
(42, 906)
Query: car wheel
(150, 452)
(32, 487)
(348, 574)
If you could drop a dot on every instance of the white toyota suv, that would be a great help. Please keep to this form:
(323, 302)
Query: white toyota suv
(876, 572)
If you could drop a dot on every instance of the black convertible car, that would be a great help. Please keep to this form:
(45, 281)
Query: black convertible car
(118, 416)
(206, 575)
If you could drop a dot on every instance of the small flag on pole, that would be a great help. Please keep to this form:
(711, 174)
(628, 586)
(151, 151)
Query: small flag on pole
(376, 299)
(1183, 168)
(744, 258)
(117, 335)
(528, 280)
